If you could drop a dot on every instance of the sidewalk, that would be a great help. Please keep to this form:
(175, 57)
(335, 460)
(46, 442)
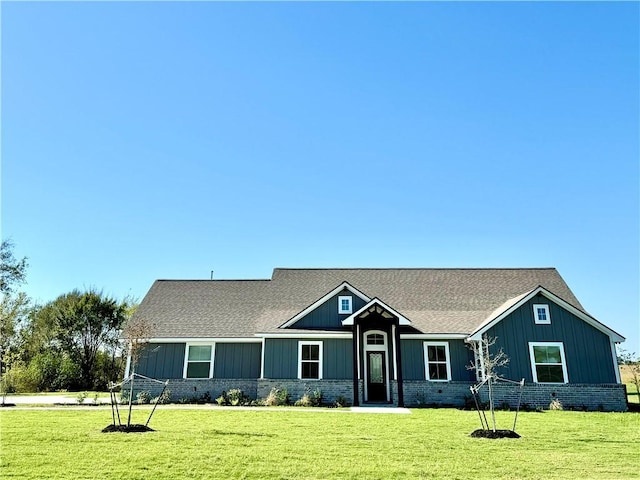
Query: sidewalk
(68, 399)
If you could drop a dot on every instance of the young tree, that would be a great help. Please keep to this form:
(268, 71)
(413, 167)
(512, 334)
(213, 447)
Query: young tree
(135, 336)
(488, 366)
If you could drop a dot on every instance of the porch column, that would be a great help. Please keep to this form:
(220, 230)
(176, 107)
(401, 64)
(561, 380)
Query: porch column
(356, 364)
(396, 338)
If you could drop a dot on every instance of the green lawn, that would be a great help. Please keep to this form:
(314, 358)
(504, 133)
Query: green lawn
(268, 443)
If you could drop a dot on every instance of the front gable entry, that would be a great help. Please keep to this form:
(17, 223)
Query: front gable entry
(329, 311)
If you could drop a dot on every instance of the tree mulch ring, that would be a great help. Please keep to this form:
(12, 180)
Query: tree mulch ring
(133, 428)
(481, 433)
(7, 404)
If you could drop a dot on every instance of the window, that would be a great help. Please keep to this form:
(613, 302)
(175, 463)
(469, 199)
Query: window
(541, 314)
(198, 361)
(436, 361)
(548, 363)
(344, 304)
(375, 339)
(310, 360)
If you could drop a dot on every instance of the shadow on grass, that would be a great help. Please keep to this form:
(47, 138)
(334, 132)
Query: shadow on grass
(221, 432)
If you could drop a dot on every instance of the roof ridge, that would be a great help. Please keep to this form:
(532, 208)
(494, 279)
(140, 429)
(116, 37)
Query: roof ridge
(412, 268)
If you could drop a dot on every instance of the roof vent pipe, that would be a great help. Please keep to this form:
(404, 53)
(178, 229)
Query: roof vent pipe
(211, 274)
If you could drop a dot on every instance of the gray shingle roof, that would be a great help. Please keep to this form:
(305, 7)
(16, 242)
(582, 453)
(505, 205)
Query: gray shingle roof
(435, 300)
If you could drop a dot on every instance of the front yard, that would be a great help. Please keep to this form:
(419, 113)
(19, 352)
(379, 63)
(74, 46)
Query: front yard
(273, 443)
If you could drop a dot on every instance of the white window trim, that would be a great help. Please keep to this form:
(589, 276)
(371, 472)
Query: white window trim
(345, 311)
(186, 358)
(425, 352)
(545, 307)
(376, 348)
(563, 359)
(301, 343)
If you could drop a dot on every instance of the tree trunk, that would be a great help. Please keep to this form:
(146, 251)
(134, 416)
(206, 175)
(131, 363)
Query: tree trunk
(130, 396)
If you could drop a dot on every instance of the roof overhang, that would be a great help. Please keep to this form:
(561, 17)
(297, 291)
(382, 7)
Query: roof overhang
(340, 288)
(376, 306)
(513, 304)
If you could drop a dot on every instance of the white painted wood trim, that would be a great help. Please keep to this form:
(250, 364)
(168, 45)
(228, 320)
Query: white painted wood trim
(547, 312)
(615, 336)
(323, 299)
(425, 352)
(563, 359)
(376, 348)
(262, 359)
(304, 335)
(301, 343)
(402, 320)
(196, 340)
(616, 368)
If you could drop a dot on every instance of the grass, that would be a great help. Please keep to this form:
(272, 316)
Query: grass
(633, 396)
(281, 444)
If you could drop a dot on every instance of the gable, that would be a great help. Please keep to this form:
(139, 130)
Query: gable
(543, 295)
(324, 313)
(588, 349)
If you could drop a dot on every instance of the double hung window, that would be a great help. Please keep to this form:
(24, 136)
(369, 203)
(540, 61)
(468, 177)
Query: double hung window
(436, 361)
(310, 360)
(548, 363)
(199, 361)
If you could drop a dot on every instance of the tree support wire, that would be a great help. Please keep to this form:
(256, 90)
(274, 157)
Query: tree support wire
(156, 404)
(114, 401)
(475, 391)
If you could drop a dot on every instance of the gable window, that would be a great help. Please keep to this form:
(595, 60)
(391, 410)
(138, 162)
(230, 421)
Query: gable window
(198, 361)
(541, 314)
(436, 361)
(310, 360)
(345, 304)
(375, 339)
(548, 363)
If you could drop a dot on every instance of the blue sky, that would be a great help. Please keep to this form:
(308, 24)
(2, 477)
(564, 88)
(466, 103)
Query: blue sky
(165, 140)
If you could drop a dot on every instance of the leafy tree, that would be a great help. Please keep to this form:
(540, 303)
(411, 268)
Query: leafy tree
(81, 324)
(12, 272)
(14, 307)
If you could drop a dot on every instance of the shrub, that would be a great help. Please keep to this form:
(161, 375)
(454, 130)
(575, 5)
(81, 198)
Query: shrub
(310, 399)
(162, 399)
(341, 402)
(555, 405)
(236, 397)
(277, 396)
(143, 397)
(80, 397)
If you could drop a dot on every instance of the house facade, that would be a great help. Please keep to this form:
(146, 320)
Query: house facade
(380, 336)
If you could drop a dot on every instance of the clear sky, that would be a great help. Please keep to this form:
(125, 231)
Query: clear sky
(165, 140)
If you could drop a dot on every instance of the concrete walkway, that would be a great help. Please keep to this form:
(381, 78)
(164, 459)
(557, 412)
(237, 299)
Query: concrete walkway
(49, 401)
(68, 399)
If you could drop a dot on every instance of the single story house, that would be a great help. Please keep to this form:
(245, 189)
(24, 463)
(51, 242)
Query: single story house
(399, 336)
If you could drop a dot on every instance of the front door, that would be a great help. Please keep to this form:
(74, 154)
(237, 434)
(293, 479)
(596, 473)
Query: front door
(376, 378)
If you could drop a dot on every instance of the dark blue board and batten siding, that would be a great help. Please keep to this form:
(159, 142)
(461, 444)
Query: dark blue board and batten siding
(326, 316)
(281, 358)
(162, 360)
(232, 360)
(413, 360)
(587, 350)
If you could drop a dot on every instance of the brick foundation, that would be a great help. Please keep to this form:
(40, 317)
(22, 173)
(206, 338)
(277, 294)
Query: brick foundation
(605, 397)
